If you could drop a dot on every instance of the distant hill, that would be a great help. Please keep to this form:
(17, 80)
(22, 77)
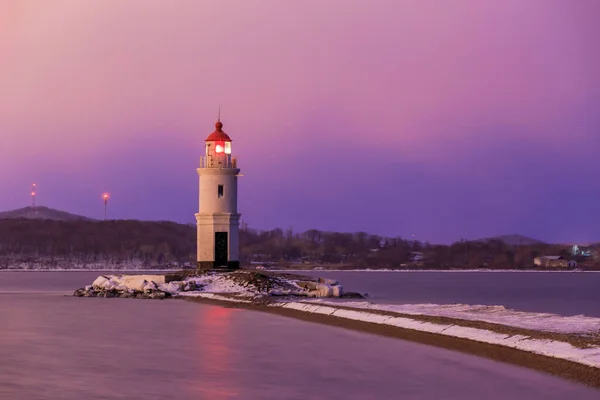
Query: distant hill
(91, 244)
(514, 240)
(41, 212)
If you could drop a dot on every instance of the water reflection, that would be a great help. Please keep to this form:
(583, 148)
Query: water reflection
(215, 356)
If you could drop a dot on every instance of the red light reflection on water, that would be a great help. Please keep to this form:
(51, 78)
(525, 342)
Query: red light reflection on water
(215, 355)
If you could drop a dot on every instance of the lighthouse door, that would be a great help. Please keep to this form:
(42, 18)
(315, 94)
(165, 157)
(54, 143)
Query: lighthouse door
(221, 255)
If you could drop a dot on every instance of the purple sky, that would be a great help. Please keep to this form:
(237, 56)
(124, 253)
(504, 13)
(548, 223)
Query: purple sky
(463, 118)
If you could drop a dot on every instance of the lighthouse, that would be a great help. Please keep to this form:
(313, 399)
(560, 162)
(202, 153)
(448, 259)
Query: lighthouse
(218, 219)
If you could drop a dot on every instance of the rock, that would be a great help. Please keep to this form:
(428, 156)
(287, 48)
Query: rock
(138, 282)
(172, 287)
(102, 282)
(352, 295)
(324, 290)
(307, 285)
(150, 286)
(157, 295)
(330, 282)
(338, 291)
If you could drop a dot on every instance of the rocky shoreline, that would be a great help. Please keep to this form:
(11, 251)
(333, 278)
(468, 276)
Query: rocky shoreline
(242, 283)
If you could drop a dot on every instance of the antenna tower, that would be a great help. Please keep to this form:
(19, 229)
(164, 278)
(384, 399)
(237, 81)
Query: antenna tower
(105, 197)
(33, 189)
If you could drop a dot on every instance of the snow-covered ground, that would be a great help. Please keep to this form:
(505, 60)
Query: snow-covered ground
(218, 284)
(492, 314)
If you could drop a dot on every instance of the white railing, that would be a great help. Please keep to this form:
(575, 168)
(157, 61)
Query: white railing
(218, 162)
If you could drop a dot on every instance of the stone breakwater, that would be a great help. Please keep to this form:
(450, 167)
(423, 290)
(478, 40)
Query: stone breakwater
(245, 284)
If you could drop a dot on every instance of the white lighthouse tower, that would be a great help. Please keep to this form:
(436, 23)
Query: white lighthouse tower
(218, 218)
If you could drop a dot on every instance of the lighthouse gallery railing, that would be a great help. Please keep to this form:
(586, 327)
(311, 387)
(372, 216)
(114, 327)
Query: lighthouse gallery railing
(218, 162)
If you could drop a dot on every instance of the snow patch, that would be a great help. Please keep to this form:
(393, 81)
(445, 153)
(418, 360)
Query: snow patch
(491, 314)
(219, 283)
(213, 296)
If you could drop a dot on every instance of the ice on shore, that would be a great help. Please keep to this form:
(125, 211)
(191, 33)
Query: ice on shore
(491, 314)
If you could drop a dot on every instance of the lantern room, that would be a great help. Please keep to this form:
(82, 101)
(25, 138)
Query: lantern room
(218, 149)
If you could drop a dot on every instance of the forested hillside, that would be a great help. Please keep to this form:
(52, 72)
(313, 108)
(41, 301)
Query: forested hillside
(41, 212)
(127, 244)
(28, 243)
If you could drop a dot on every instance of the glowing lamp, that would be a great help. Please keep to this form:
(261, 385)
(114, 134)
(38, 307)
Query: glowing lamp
(219, 148)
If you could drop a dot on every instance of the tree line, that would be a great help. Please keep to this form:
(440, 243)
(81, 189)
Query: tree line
(365, 250)
(154, 244)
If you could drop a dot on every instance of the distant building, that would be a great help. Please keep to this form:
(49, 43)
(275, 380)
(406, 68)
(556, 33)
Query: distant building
(417, 256)
(552, 262)
(584, 251)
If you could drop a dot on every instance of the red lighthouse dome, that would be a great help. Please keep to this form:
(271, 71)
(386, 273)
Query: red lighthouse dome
(218, 135)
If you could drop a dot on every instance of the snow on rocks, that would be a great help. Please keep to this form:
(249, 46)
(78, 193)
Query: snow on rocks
(136, 286)
(240, 283)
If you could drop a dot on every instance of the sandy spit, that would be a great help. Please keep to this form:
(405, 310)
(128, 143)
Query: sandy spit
(559, 367)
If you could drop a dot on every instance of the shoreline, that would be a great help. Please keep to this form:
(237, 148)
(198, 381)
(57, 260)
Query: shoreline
(312, 270)
(560, 367)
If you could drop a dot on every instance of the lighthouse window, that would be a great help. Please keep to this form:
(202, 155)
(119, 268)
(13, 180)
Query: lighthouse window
(220, 191)
(227, 147)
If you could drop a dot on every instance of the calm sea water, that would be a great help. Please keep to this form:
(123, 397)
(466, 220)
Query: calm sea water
(563, 293)
(54, 346)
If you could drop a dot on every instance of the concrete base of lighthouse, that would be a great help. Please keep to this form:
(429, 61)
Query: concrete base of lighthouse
(210, 265)
(218, 241)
